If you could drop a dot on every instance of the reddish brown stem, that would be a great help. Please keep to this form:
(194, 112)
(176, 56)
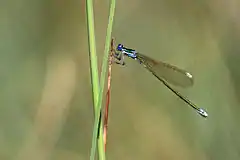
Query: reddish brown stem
(108, 95)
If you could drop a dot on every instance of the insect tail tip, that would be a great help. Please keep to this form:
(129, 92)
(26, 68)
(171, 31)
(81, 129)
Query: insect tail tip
(202, 112)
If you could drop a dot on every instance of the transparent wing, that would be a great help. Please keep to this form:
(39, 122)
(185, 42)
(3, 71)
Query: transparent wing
(167, 72)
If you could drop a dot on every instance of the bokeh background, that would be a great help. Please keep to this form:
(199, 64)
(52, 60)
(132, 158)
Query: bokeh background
(45, 91)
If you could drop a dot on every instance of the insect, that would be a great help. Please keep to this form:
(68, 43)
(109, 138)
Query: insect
(165, 72)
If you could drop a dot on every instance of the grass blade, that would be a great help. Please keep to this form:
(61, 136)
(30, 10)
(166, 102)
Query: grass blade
(92, 52)
(93, 59)
(97, 128)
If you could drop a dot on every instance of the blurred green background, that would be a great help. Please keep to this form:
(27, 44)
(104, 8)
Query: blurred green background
(45, 91)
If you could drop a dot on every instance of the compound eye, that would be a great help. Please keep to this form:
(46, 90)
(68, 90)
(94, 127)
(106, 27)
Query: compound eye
(120, 47)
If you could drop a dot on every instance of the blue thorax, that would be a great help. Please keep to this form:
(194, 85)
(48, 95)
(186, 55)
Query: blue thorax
(127, 51)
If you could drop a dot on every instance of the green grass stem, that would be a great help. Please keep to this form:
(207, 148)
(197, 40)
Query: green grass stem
(97, 128)
(92, 52)
(93, 62)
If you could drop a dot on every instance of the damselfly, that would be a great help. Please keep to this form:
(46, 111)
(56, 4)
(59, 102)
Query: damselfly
(163, 71)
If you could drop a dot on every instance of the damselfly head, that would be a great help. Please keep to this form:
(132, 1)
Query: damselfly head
(120, 47)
